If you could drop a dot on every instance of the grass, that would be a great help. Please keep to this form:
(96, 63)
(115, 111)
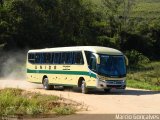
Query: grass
(145, 77)
(20, 102)
(64, 110)
(142, 85)
(146, 9)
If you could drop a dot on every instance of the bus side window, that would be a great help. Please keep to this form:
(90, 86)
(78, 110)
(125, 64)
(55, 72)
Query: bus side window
(41, 58)
(88, 56)
(48, 58)
(37, 58)
(31, 57)
(57, 57)
(92, 63)
(78, 58)
(52, 58)
(69, 58)
(44, 58)
(63, 56)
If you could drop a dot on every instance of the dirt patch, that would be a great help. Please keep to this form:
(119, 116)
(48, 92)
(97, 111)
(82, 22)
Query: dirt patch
(18, 83)
(97, 102)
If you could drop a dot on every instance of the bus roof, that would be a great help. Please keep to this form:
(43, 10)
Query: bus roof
(95, 49)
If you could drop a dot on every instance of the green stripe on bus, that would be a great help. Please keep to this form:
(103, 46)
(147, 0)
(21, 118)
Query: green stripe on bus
(62, 72)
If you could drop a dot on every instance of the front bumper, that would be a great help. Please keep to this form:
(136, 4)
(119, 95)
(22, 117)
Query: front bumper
(118, 84)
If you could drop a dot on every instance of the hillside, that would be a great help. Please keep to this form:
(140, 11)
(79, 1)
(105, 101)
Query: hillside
(43, 24)
(147, 8)
(141, 8)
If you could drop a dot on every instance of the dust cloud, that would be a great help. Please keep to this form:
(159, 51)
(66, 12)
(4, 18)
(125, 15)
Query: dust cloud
(13, 66)
(13, 70)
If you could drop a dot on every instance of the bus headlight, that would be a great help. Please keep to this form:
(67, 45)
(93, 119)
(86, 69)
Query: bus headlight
(124, 82)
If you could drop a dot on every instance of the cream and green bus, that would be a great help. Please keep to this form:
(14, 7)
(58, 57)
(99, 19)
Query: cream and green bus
(85, 67)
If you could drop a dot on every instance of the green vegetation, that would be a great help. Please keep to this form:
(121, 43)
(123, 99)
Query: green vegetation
(141, 8)
(131, 26)
(136, 59)
(64, 110)
(145, 76)
(142, 85)
(123, 24)
(147, 9)
(19, 102)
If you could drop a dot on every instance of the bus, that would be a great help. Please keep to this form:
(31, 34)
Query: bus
(85, 67)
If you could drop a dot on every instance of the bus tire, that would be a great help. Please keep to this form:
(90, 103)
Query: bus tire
(46, 86)
(107, 90)
(84, 89)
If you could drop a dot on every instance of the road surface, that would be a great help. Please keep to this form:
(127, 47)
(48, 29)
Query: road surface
(97, 102)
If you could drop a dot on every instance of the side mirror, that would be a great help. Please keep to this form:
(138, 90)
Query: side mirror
(126, 60)
(97, 58)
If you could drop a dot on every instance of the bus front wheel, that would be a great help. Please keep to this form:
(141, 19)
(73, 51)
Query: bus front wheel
(46, 86)
(107, 90)
(84, 88)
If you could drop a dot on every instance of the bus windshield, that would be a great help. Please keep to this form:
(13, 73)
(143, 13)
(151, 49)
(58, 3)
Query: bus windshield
(112, 66)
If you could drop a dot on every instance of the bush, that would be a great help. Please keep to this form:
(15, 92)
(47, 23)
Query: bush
(136, 58)
(16, 101)
(64, 110)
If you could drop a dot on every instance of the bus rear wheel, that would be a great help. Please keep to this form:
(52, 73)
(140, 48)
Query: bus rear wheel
(46, 86)
(84, 88)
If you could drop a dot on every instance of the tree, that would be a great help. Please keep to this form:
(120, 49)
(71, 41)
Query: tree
(117, 15)
(47, 23)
